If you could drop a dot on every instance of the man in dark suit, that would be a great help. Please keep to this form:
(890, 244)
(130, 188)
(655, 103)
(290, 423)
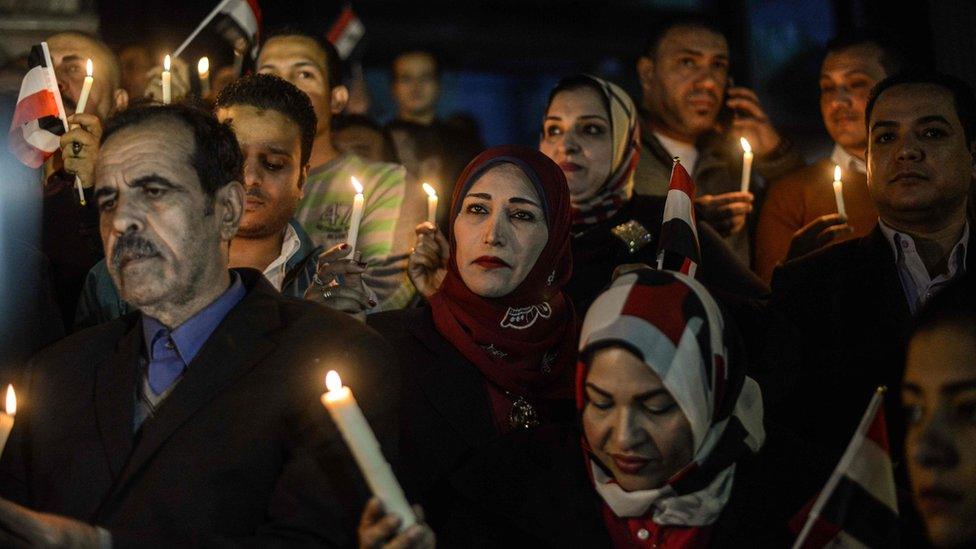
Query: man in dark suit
(849, 306)
(196, 420)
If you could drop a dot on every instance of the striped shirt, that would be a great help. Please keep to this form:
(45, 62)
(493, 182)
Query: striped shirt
(386, 231)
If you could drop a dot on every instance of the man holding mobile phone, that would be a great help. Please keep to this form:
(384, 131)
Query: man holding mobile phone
(685, 84)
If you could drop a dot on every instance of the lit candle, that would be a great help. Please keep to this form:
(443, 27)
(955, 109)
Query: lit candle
(431, 203)
(7, 417)
(167, 82)
(347, 416)
(355, 217)
(839, 193)
(85, 88)
(203, 69)
(746, 163)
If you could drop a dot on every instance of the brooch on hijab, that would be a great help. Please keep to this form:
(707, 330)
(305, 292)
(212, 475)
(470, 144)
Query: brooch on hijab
(523, 415)
(524, 317)
(633, 234)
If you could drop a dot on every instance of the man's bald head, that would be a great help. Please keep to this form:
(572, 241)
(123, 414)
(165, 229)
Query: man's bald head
(69, 51)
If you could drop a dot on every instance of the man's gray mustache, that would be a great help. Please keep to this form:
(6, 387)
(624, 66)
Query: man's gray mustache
(130, 247)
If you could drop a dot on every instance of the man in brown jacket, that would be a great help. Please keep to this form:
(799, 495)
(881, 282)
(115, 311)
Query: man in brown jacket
(800, 208)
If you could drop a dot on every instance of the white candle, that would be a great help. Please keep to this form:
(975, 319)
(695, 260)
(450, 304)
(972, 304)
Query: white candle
(167, 82)
(347, 416)
(431, 203)
(355, 217)
(203, 69)
(7, 417)
(839, 193)
(746, 163)
(85, 88)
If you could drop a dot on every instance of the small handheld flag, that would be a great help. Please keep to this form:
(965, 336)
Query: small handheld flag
(678, 248)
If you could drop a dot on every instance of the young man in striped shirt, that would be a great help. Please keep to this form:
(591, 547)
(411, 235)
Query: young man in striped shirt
(391, 209)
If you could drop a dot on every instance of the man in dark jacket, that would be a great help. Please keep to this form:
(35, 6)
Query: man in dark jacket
(850, 305)
(197, 420)
(691, 109)
(275, 124)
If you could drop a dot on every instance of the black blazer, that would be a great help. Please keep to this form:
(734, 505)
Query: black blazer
(838, 329)
(240, 452)
(531, 489)
(445, 412)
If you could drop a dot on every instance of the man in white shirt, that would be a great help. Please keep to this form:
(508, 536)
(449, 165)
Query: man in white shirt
(842, 313)
(275, 126)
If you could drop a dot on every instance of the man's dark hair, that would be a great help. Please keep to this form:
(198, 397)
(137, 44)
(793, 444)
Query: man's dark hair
(216, 157)
(694, 21)
(269, 92)
(422, 50)
(954, 304)
(891, 57)
(345, 121)
(962, 96)
(333, 63)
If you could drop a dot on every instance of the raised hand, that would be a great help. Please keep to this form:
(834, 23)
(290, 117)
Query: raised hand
(428, 260)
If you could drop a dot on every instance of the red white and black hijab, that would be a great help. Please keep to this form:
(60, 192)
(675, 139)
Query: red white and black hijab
(671, 321)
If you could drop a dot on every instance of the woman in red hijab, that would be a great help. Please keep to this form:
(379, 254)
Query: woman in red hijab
(494, 350)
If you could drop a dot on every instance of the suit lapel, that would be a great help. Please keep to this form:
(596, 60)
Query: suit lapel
(449, 381)
(238, 343)
(891, 300)
(115, 381)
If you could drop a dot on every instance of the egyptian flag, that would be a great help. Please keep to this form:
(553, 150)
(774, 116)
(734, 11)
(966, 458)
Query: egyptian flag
(678, 248)
(39, 121)
(240, 19)
(346, 32)
(858, 507)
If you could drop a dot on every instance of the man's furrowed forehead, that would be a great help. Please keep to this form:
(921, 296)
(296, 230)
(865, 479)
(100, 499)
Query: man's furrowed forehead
(157, 146)
(291, 50)
(863, 58)
(693, 39)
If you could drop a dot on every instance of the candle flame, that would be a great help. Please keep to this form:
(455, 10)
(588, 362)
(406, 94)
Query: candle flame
(203, 66)
(332, 381)
(167, 62)
(836, 173)
(745, 144)
(11, 400)
(357, 185)
(430, 190)
(89, 67)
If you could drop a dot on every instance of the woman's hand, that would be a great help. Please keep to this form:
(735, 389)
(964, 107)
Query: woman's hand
(338, 283)
(428, 261)
(377, 529)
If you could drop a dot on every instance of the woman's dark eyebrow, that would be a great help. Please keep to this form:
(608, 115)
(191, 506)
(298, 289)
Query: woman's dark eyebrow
(598, 390)
(520, 200)
(651, 394)
(483, 196)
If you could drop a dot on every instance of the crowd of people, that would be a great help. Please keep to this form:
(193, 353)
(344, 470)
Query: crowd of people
(532, 375)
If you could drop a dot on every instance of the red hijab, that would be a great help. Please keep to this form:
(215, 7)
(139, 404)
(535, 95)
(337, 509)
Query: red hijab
(524, 342)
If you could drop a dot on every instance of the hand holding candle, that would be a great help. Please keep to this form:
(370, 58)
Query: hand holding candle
(358, 435)
(839, 193)
(355, 217)
(203, 70)
(167, 81)
(431, 203)
(7, 417)
(746, 163)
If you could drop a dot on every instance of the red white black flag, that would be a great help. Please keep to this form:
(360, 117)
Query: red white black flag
(678, 248)
(858, 506)
(39, 120)
(239, 19)
(346, 32)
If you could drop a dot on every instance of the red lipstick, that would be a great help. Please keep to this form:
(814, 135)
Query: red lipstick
(490, 262)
